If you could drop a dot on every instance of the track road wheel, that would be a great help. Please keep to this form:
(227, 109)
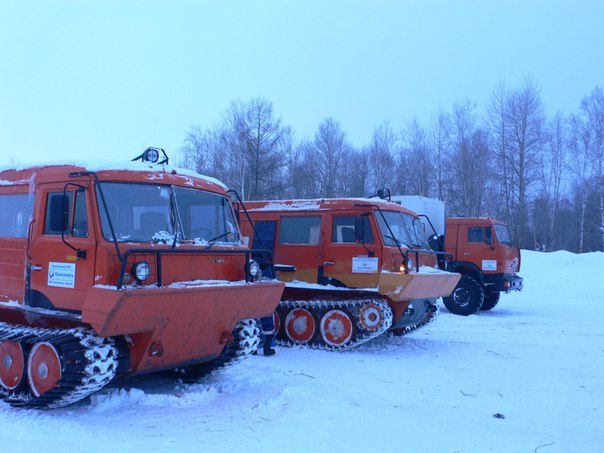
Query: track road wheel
(371, 317)
(467, 297)
(490, 301)
(44, 368)
(300, 325)
(277, 322)
(336, 327)
(12, 364)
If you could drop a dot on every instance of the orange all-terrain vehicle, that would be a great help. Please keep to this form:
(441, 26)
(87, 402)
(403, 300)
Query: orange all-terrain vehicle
(117, 271)
(354, 268)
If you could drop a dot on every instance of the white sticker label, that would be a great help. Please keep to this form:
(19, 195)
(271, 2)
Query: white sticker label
(61, 275)
(489, 265)
(364, 265)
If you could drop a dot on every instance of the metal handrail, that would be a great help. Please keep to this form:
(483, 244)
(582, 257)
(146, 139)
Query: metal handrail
(159, 252)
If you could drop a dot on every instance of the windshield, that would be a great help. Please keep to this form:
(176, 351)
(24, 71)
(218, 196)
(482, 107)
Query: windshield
(398, 228)
(503, 234)
(153, 213)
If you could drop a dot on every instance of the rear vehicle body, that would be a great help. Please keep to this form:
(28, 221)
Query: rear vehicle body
(480, 249)
(117, 271)
(354, 268)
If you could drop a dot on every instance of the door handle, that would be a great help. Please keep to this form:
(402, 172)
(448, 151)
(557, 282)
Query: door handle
(467, 253)
(34, 267)
(328, 263)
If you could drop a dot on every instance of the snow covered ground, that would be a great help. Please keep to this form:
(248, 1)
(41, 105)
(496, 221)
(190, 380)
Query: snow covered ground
(527, 376)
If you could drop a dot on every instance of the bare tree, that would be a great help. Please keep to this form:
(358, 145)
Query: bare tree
(357, 170)
(303, 182)
(592, 110)
(497, 114)
(416, 161)
(382, 171)
(526, 120)
(553, 171)
(440, 142)
(470, 157)
(580, 144)
(332, 151)
(264, 143)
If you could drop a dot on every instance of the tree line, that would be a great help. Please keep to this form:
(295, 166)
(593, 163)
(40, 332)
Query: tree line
(542, 176)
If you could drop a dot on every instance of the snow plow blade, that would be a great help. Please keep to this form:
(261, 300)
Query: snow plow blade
(180, 322)
(400, 287)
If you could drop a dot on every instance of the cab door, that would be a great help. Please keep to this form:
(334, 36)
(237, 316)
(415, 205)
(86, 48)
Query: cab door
(347, 262)
(479, 248)
(16, 208)
(298, 243)
(62, 254)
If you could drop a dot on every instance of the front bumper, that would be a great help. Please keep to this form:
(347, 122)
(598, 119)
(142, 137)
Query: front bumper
(509, 283)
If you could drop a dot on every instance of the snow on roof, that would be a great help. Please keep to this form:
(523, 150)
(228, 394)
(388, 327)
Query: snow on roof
(108, 165)
(294, 205)
(314, 204)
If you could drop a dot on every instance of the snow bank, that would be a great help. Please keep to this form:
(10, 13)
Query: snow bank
(526, 376)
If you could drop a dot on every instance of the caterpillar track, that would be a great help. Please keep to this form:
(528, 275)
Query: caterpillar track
(246, 338)
(50, 368)
(331, 324)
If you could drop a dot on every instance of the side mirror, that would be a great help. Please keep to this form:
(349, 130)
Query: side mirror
(488, 236)
(359, 228)
(59, 212)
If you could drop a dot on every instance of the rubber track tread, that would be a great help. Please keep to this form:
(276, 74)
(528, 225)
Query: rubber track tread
(89, 362)
(320, 307)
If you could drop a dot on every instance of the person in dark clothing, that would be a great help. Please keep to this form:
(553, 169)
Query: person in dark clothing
(268, 330)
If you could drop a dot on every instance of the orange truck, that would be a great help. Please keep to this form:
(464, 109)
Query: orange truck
(480, 249)
(353, 268)
(114, 271)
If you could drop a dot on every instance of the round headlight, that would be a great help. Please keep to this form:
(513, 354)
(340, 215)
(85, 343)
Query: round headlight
(141, 271)
(254, 268)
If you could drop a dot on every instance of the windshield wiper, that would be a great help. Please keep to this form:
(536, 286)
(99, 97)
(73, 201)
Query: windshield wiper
(215, 239)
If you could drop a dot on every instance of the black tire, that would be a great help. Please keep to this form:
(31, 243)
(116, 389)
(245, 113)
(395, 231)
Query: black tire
(466, 298)
(490, 300)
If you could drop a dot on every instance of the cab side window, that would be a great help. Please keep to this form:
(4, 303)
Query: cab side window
(80, 216)
(77, 217)
(300, 230)
(17, 212)
(342, 230)
(475, 234)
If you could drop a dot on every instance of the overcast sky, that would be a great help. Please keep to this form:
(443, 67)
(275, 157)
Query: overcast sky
(110, 78)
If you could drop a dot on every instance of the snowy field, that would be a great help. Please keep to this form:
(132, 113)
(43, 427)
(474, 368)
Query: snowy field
(526, 377)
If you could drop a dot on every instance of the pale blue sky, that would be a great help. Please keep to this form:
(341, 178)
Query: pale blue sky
(110, 78)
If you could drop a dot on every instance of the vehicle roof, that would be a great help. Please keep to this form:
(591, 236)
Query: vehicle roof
(473, 220)
(323, 204)
(109, 171)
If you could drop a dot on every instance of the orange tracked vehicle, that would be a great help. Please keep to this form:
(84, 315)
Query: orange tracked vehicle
(108, 272)
(354, 268)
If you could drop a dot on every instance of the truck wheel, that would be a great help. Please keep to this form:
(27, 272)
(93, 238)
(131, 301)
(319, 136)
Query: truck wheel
(466, 298)
(490, 301)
